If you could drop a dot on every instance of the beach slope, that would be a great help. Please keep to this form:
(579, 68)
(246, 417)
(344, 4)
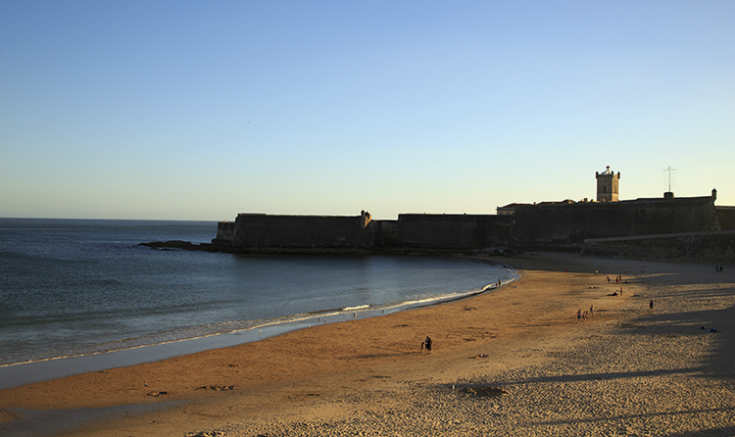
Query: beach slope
(514, 361)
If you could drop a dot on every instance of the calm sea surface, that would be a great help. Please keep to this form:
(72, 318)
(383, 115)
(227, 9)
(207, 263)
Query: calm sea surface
(75, 287)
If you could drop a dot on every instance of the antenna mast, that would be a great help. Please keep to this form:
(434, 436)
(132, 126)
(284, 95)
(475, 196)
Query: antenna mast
(669, 170)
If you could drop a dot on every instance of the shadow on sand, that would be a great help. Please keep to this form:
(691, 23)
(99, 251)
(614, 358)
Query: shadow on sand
(635, 416)
(717, 324)
(601, 376)
(710, 432)
(721, 363)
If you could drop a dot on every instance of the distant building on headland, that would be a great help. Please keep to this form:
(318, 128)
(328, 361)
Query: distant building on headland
(516, 224)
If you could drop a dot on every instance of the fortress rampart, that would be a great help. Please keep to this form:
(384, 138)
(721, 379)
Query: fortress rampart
(225, 233)
(528, 225)
(296, 231)
(578, 221)
(547, 224)
(726, 217)
(452, 231)
(385, 233)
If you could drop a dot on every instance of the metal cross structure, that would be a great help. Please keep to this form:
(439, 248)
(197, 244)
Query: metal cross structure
(669, 169)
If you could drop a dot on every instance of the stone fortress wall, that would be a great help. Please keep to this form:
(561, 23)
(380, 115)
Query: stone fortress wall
(726, 217)
(516, 225)
(578, 221)
(296, 231)
(385, 233)
(225, 233)
(452, 231)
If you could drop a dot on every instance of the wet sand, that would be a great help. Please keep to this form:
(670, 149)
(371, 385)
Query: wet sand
(514, 361)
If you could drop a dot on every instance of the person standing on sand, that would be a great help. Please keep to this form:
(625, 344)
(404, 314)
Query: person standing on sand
(579, 314)
(426, 344)
(650, 305)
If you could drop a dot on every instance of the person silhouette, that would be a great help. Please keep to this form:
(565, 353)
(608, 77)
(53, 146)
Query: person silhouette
(426, 344)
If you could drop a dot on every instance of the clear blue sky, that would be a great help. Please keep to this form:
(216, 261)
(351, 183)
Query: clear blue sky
(200, 110)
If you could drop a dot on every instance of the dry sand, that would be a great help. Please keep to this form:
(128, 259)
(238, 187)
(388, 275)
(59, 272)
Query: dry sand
(512, 362)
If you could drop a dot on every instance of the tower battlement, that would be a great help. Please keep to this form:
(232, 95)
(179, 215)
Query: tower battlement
(607, 185)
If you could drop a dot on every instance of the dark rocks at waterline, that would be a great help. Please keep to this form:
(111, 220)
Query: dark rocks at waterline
(179, 244)
(328, 251)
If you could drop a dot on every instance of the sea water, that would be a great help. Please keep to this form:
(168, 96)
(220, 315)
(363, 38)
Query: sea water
(72, 288)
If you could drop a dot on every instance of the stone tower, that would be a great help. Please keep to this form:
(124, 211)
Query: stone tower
(607, 185)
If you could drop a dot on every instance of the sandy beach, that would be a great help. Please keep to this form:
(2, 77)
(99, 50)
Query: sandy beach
(516, 361)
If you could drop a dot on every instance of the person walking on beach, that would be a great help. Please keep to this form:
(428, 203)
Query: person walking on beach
(426, 344)
(650, 305)
(591, 311)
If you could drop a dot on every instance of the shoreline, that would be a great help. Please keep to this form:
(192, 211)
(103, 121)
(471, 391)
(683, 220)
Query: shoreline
(310, 381)
(38, 370)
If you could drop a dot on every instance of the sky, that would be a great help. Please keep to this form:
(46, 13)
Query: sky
(200, 110)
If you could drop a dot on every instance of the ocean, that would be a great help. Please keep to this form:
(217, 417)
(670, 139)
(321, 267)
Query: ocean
(74, 288)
